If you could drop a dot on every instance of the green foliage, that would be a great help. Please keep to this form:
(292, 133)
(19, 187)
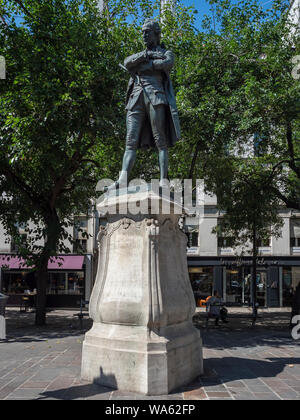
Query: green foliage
(60, 104)
(239, 109)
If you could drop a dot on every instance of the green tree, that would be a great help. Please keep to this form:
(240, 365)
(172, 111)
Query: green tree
(59, 104)
(239, 81)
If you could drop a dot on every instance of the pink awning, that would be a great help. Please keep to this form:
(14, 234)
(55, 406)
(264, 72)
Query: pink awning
(66, 262)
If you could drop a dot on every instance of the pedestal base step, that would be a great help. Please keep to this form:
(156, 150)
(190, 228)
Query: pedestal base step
(136, 360)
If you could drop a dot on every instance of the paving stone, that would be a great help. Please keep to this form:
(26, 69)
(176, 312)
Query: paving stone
(235, 384)
(218, 394)
(33, 384)
(266, 396)
(244, 396)
(26, 392)
(288, 395)
(197, 394)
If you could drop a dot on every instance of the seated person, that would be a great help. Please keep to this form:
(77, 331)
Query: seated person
(215, 309)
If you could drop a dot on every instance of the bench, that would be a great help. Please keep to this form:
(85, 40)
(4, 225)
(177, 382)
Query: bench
(80, 315)
(249, 316)
(27, 302)
(210, 315)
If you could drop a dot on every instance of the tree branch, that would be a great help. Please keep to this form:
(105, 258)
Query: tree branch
(291, 204)
(25, 10)
(75, 161)
(34, 198)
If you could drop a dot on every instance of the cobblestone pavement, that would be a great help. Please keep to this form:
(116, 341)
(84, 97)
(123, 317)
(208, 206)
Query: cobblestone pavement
(240, 362)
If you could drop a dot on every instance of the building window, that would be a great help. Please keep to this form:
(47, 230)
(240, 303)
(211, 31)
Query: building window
(225, 242)
(259, 145)
(295, 242)
(295, 233)
(16, 245)
(80, 246)
(80, 234)
(192, 239)
(266, 242)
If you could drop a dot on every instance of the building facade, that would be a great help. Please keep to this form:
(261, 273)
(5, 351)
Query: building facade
(215, 265)
(70, 276)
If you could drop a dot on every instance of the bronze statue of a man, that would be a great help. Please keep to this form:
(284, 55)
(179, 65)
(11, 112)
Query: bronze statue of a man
(152, 118)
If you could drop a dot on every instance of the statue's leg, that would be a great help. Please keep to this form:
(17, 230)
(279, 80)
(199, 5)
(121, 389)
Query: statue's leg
(128, 163)
(158, 125)
(163, 156)
(134, 123)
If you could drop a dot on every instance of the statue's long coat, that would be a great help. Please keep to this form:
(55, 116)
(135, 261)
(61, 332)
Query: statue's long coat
(165, 65)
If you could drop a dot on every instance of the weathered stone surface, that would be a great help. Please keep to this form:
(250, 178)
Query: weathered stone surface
(142, 339)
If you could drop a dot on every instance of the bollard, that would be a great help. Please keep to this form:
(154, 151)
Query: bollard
(3, 301)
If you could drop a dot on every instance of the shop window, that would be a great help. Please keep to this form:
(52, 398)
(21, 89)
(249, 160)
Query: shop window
(62, 283)
(238, 285)
(261, 287)
(202, 282)
(234, 285)
(290, 280)
(56, 283)
(18, 282)
(75, 283)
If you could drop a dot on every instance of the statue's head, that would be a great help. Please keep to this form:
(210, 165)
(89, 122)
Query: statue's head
(151, 33)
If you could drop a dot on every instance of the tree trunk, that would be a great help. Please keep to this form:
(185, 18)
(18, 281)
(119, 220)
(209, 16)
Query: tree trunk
(52, 233)
(254, 272)
(42, 274)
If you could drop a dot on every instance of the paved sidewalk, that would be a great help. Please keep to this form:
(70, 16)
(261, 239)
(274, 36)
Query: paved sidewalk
(241, 362)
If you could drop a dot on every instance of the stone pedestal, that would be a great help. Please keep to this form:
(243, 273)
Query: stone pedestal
(142, 339)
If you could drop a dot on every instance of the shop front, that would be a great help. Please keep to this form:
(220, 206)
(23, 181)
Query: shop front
(66, 281)
(202, 282)
(276, 279)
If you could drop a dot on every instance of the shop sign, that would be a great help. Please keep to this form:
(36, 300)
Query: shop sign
(192, 250)
(240, 261)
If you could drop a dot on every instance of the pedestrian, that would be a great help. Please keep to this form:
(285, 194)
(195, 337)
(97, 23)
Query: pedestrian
(215, 309)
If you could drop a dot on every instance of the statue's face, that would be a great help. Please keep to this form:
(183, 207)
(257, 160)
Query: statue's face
(149, 36)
